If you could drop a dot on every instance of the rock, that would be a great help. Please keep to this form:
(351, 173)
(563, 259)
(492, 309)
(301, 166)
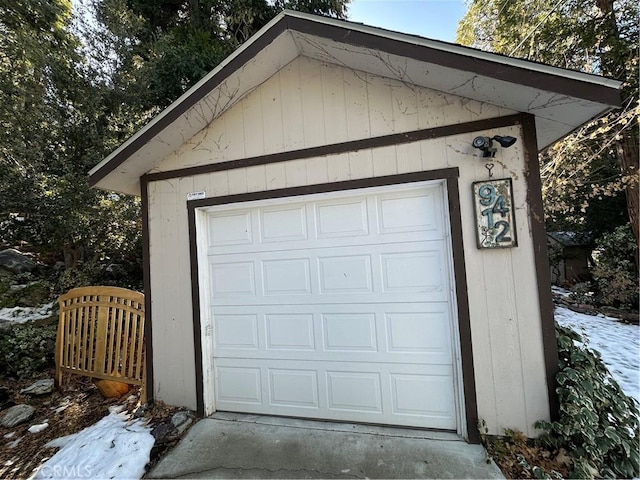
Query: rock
(624, 316)
(583, 308)
(181, 420)
(40, 387)
(17, 415)
(15, 262)
(141, 411)
(164, 432)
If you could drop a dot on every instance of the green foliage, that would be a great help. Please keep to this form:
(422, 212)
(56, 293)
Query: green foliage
(27, 349)
(599, 424)
(126, 275)
(583, 293)
(165, 46)
(33, 294)
(615, 273)
(56, 115)
(586, 174)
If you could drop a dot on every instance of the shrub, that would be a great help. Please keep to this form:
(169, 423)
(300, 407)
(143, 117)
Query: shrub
(615, 271)
(27, 349)
(127, 275)
(599, 424)
(583, 293)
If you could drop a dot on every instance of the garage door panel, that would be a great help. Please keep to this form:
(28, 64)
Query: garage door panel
(341, 218)
(421, 394)
(354, 391)
(304, 245)
(380, 274)
(291, 276)
(394, 333)
(232, 278)
(409, 212)
(334, 306)
(231, 228)
(345, 274)
(237, 332)
(349, 332)
(287, 223)
(289, 331)
(401, 216)
(396, 394)
(417, 272)
(418, 332)
(239, 385)
(293, 387)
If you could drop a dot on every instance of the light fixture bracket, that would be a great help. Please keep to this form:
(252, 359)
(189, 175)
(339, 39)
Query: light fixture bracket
(485, 144)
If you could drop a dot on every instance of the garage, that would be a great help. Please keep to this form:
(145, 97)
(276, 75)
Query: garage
(345, 223)
(334, 306)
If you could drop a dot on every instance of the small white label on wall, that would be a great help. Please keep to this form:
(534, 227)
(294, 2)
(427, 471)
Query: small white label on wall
(195, 195)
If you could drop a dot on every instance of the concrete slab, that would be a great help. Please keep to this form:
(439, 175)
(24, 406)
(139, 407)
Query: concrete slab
(252, 446)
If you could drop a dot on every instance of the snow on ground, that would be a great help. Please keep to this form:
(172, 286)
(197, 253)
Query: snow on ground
(618, 343)
(116, 447)
(563, 292)
(24, 314)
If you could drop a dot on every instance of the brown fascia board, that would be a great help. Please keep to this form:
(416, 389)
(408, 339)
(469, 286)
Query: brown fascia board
(470, 63)
(351, 36)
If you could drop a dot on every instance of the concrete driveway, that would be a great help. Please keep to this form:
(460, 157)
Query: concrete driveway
(251, 446)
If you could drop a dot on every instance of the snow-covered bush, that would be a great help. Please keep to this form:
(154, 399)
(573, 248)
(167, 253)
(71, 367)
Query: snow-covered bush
(598, 424)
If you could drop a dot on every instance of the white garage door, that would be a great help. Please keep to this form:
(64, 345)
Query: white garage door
(335, 306)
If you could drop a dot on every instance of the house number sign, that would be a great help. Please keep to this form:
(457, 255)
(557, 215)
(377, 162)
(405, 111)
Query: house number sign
(493, 204)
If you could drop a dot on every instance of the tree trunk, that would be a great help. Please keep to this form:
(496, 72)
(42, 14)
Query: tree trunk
(627, 148)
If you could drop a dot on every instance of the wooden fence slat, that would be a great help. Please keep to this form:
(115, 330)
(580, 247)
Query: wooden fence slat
(131, 354)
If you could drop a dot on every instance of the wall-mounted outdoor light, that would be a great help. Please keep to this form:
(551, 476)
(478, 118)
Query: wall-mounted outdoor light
(486, 144)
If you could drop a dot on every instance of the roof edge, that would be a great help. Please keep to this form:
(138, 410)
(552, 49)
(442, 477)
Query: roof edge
(461, 50)
(177, 107)
(356, 34)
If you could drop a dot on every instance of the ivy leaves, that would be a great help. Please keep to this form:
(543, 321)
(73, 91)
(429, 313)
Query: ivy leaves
(599, 424)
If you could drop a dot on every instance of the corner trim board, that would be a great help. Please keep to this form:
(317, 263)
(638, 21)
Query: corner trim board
(195, 302)
(543, 275)
(146, 280)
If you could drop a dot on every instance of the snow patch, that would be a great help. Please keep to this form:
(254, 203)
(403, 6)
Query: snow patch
(24, 314)
(116, 447)
(618, 344)
(38, 427)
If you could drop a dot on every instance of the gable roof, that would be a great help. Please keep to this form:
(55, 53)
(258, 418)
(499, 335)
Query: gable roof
(560, 99)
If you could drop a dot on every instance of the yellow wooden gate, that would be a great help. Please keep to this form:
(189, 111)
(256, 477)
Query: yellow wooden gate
(101, 335)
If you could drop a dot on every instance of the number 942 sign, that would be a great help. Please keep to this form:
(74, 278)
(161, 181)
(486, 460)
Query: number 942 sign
(493, 204)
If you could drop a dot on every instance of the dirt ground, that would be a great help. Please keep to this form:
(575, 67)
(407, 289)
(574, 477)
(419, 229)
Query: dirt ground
(78, 405)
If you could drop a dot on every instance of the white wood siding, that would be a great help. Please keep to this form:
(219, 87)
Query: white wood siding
(310, 104)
